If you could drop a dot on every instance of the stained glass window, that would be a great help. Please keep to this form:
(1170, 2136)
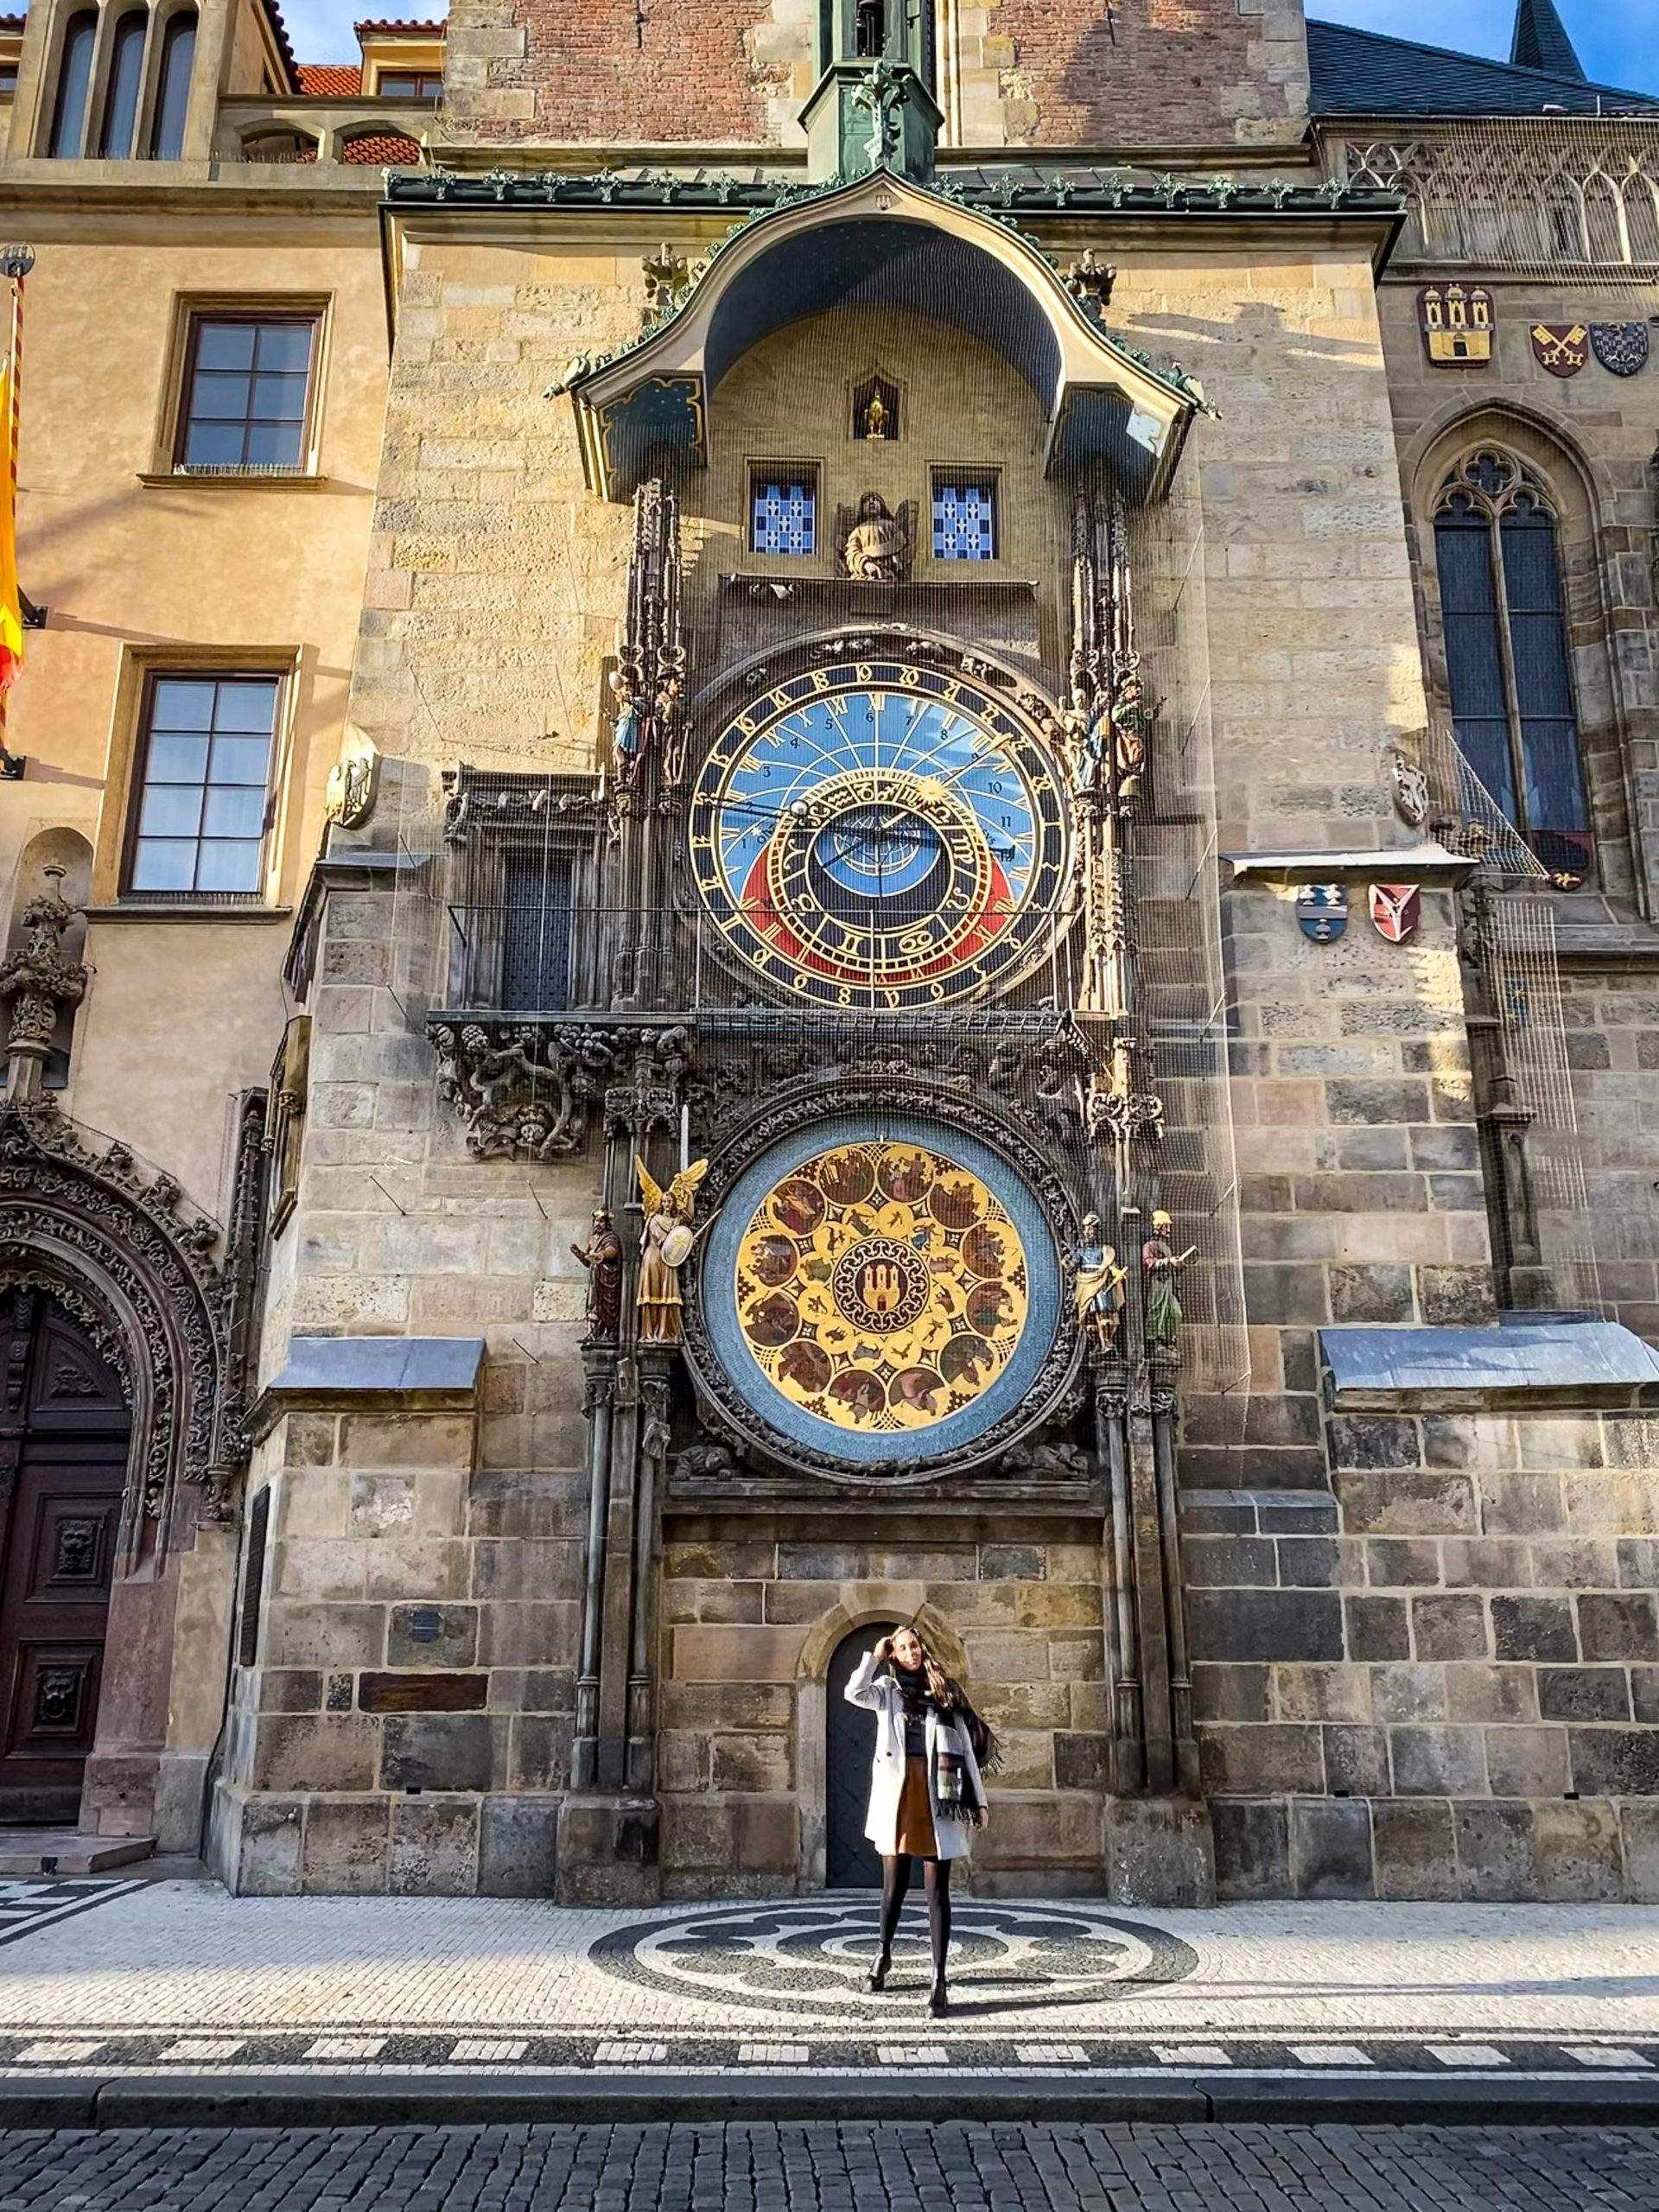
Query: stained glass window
(785, 513)
(1506, 656)
(964, 519)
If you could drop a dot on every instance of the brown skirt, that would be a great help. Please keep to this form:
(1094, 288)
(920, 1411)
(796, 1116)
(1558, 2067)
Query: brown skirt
(914, 1833)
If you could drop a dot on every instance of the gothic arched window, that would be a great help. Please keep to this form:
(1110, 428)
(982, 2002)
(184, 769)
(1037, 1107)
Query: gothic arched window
(1506, 653)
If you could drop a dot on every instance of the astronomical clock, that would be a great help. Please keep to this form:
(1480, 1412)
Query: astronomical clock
(879, 848)
(879, 835)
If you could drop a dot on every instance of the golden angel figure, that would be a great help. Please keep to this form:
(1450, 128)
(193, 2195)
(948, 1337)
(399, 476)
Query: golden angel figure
(665, 1247)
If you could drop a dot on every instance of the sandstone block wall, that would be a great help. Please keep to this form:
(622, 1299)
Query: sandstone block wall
(751, 1617)
(1441, 1680)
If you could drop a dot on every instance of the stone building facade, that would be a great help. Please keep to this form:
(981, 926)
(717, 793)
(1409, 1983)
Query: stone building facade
(900, 625)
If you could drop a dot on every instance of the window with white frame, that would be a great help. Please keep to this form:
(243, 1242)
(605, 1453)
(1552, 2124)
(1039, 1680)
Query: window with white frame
(784, 510)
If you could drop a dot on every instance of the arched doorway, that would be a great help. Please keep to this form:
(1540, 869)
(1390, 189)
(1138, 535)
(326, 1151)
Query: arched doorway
(64, 1425)
(849, 1860)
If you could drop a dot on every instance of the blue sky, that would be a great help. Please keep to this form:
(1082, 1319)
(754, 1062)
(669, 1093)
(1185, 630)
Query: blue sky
(1617, 40)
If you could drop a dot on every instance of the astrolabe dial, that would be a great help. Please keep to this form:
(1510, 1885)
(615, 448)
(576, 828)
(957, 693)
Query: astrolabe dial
(880, 835)
(882, 1287)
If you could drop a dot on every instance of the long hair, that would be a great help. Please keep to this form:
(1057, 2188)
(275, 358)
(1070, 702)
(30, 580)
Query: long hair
(948, 1693)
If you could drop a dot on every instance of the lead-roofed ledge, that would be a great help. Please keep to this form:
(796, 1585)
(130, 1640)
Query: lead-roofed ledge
(1527, 1363)
(424, 1374)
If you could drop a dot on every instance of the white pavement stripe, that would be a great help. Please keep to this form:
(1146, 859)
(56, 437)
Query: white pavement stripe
(1604, 2054)
(631, 2053)
(913, 2054)
(1190, 2054)
(1329, 2054)
(44, 2054)
(773, 2054)
(346, 2047)
(1051, 2054)
(480, 2047)
(201, 2047)
(1465, 2054)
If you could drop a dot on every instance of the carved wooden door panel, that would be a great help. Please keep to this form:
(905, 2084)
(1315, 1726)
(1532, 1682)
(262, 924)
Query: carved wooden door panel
(63, 1459)
(850, 1860)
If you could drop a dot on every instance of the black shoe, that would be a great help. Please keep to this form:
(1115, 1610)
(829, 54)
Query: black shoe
(879, 1975)
(938, 2003)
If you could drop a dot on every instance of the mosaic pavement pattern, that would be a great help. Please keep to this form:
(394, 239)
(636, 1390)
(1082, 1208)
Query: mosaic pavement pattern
(112, 1975)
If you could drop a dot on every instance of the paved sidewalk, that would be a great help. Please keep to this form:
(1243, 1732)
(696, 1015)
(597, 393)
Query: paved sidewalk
(172, 2001)
(834, 2169)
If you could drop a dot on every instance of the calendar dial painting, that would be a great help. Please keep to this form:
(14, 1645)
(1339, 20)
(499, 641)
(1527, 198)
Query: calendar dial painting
(882, 1287)
(880, 835)
(881, 1293)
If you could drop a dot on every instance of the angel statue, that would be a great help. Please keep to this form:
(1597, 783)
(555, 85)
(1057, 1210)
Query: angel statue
(665, 1247)
(876, 549)
(1098, 1283)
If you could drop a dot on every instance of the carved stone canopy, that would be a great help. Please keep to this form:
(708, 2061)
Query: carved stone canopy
(109, 1244)
(38, 981)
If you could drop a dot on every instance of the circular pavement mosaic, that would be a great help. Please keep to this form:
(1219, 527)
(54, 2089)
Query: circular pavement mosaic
(809, 1959)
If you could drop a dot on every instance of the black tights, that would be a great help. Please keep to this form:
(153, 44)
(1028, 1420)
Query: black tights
(895, 1881)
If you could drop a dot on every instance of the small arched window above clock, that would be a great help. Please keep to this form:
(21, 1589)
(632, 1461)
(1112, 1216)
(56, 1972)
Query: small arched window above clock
(1507, 657)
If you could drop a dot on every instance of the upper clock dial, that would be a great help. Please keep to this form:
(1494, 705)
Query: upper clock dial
(880, 835)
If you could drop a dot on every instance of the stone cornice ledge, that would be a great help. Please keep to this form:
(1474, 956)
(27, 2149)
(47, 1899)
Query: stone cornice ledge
(1430, 865)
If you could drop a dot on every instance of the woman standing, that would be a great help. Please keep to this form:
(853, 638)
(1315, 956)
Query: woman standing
(926, 1787)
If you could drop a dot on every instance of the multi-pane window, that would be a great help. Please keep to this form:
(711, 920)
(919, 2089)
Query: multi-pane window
(784, 510)
(964, 517)
(207, 748)
(247, 391)
(1506, 653)
(409, 83)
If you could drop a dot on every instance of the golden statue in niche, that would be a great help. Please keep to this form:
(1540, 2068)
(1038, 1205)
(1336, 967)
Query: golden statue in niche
(876, 415)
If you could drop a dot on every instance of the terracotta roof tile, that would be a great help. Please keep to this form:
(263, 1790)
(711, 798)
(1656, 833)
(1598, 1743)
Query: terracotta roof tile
(328, 79)
(400, 23)
(383, 151)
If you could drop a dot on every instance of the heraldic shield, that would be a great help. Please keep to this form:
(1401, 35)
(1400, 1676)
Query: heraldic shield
(1396, 909)
(1322, 911)
(1621, 348)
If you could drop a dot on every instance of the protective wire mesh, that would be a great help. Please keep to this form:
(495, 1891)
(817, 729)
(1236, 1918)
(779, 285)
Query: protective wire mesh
(1575, 198)
(1182, 981)
(1513, 938)
(564, 910)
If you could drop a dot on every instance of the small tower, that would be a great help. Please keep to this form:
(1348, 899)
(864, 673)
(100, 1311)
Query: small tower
(874, 104)
(1540, 40)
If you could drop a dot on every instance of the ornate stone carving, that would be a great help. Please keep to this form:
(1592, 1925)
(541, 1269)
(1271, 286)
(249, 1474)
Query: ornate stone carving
(519, 1088)
(1090, 281)
(108, 1243)
(353, 784)
(668, 277)
(38, 981)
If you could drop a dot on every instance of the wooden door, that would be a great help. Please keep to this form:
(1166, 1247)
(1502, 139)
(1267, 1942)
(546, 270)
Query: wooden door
(63, 1463)
(850, 1860)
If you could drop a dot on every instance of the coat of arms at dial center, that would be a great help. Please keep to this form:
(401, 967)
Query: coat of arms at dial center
(880, 835)
(882, 1287)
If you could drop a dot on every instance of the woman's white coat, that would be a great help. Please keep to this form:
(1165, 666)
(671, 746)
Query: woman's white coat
(880, 1695)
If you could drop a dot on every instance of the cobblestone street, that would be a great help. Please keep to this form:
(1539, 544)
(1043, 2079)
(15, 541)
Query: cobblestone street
(766, 2167)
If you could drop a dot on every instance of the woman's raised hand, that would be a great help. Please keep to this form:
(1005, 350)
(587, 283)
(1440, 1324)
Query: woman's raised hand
(884, 1650)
